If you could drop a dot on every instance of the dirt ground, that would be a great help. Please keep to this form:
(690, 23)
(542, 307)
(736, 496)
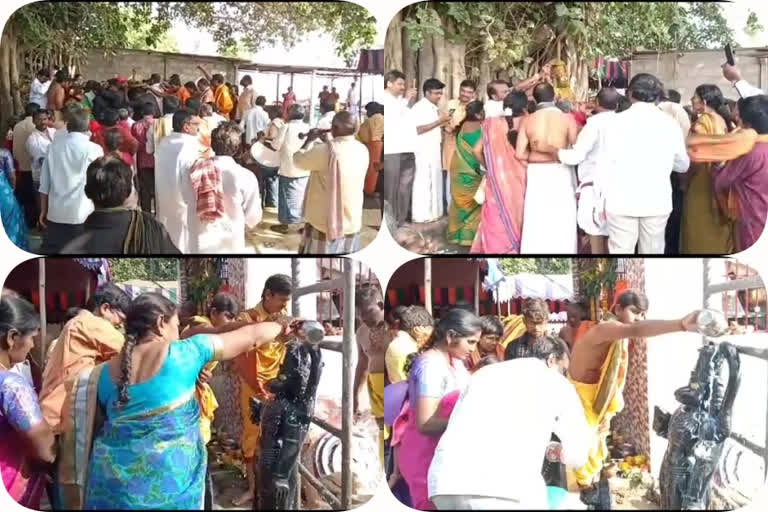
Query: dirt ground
(263, 240)
(428, 238)
(627, 498)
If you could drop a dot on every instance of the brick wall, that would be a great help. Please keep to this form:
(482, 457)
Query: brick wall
(684, 71)
(101, 66)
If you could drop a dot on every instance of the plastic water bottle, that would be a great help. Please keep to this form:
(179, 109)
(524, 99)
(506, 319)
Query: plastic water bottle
(313, 331)
(711, 323)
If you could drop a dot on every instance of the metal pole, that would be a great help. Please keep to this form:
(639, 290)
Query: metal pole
(428, 284)
(295, 283)
(477, 290)
(346, 384)
(312, 98)
(43, 319)
(277, 89)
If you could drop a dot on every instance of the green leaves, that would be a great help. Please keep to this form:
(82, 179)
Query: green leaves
(556, 266)
(753, 25)
(72, 28)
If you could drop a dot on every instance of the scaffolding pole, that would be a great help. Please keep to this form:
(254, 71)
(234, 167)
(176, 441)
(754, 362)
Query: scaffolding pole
(43, 313)
(346, 384)
(428, 285)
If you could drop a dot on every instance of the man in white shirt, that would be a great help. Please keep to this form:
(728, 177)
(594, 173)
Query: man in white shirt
(38, 91)
(399, 151)
(497, 90)
(486, 474)
(744, 88)
(646, 146)
(63, 203)
(26, 191)
(174, 155)
(353, 101)
(293, 179)
(327, 113)
(210, 117)
(671, 105)
(255, 120)
(589, 154)
(240, 199)
(328, 230)
(38, 143)
(428, 189)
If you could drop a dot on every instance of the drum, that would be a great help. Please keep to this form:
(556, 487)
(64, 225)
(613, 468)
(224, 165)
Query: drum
(265, 156)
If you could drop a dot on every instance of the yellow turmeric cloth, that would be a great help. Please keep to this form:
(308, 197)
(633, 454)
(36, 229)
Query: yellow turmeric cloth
(376, 394)
(602, 401)
(204, 393)
(256, 368)
(514, 327)
(722, 147)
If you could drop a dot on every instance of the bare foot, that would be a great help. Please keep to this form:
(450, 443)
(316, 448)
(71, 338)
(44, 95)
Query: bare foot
(243, 499)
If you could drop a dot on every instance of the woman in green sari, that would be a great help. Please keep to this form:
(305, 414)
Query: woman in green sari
(466, 176)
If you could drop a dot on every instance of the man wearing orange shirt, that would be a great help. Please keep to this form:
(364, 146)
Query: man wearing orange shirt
(257, 368)
(87, 340)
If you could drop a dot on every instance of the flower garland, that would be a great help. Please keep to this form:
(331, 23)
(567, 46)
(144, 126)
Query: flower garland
(597, 283)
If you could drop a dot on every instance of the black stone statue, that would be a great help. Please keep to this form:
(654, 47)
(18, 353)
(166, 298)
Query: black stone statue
(698, 429)
(284, 423)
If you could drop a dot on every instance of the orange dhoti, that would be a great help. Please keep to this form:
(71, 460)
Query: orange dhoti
(374, 167)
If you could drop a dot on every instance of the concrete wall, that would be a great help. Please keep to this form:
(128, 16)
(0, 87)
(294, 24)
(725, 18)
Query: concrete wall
(684, 71)
(123, 63)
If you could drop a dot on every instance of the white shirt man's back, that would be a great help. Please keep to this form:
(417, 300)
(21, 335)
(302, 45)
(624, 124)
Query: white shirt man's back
(526, 402)
(38, 92)
(290, 144)
(591, 147)
(63, 177)
(646, 146)
(174, 155)
(242, 208)
(399, 127)
(254, 121)
(37, 146)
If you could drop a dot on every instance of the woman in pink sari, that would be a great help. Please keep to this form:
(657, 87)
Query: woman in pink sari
(289, 99)
(501, 218)
(437, 371)
(27, 441)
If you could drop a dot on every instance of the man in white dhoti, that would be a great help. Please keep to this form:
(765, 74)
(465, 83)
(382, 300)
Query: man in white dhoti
(428, 190)
(589, 153)
(353, 101)
(549, 214)
(174, 155)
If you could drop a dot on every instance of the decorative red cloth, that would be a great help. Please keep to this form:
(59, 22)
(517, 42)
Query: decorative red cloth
(206, 182)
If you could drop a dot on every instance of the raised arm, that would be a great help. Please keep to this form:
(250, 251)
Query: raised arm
(608, 332)
(240, 337)
(205, 73)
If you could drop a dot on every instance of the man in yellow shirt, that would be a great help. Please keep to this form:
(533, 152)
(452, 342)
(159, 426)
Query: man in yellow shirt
(415, 328)
(224, 309)
(257, 368)
(221, 95)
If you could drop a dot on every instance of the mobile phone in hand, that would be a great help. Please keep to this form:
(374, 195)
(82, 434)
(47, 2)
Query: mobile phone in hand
(729, 55)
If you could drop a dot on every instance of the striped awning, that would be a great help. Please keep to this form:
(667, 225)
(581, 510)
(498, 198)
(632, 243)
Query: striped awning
(526, 286)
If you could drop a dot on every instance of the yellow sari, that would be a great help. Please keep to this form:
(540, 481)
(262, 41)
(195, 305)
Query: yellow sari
(602, 401)
(704, 229)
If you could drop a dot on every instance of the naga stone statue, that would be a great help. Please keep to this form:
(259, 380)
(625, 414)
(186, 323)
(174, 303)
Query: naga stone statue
(284, 423)
(698, 429)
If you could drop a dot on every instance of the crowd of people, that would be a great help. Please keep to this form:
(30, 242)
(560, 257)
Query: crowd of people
(530, 171)
(443, 377)
(156, 167)
(142, 418)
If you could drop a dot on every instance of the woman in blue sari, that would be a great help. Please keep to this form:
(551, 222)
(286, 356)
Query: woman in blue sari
(10, 211)
(147, 452)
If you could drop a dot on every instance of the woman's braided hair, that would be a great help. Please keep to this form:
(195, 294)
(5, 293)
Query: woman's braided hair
(140, 320)
(460, 321)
